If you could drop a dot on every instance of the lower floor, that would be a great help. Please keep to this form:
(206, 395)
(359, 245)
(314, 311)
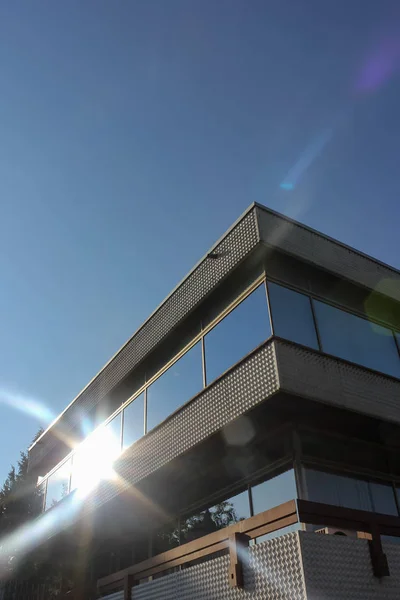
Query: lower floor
(294, 566)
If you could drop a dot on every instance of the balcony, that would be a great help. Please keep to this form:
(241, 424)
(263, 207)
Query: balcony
(296, 565)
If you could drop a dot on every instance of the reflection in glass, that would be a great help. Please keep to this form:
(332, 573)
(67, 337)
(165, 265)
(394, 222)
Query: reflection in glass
(173, 388)
(339, 490)
(113, 432)
(383, 499)
(216, 517)
(39, 498)
(237, 334)
(350, 492)
(165, 538)
(58, 485)
(358, 340)
(275, 491)
(292, 316)
(133, 428)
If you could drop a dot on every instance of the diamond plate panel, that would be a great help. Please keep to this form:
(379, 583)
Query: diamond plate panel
(326, 379)
(324, 252)
(338, 567)
(273, 572)
(242, 388)
(231, 250)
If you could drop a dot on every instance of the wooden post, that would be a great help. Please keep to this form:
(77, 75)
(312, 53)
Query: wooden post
(238, 550)
(379, 561)
(128, 584)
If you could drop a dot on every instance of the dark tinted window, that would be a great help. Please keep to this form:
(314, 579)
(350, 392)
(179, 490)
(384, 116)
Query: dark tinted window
(292, 315)
(349, 492)
(274, 491)
(183, 380)
(238, 333)
(383, 499)
(356, 339)
(216, 517)
(133, 422)
(58, 485)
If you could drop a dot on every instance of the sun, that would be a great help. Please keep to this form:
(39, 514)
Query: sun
(94, 460)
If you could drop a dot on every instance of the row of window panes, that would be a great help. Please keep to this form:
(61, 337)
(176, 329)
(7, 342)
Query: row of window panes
(327, 488)
(340, 333)
(264, 496)
(352, 492)
(244, 328)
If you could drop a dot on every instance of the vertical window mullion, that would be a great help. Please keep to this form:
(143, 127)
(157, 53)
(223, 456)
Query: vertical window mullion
(203, 357)
(145, 411)
(121, 435)
(271, 322)
(251, 505)
(315, 323)
(396, 341)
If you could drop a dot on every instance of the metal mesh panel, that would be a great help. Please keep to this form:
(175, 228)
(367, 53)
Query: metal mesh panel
(116, 596)
(273, 571)
(231, 251)
(331, 380)
(311, 246)
(250, 383)
(337, 568)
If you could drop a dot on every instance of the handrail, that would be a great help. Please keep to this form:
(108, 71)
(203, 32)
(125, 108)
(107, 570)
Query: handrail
(289, 513)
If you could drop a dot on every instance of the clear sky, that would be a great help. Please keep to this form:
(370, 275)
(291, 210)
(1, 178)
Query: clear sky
(133, 133)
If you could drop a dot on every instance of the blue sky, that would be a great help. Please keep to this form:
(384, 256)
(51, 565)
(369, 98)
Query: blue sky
(133, 133)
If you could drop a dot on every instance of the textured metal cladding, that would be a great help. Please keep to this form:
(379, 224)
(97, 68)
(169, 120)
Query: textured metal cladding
(245, 386)
(273, 572)
(313, 247)
(231, 251)
(338, 567)
(324, 378)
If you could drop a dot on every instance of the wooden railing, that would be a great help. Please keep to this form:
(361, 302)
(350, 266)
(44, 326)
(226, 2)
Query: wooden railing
(235, 540)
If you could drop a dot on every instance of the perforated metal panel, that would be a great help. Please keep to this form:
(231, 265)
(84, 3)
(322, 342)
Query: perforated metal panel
(273, 572)
(305, 372)
(339, 568)
(239, 390)
(233, 248)
(311, 246)
(116, 596)
(296, 566)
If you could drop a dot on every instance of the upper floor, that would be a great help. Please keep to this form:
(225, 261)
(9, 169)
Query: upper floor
(268, 279)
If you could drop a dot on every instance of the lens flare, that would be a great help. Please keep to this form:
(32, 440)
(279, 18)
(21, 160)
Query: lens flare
(94, 460)
(27, 405)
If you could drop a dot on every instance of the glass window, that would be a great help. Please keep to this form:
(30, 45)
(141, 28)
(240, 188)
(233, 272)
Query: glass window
(383, 499)
(275, 491)
(113, 433)
(292, 315)
(339, 490)
(165, 538)
(58, 485)
(133, 422)
(349, 492)
(216, 517)
(39, 498)
(177, 385)
(356, 339)
(231, 511)
(237, 334)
